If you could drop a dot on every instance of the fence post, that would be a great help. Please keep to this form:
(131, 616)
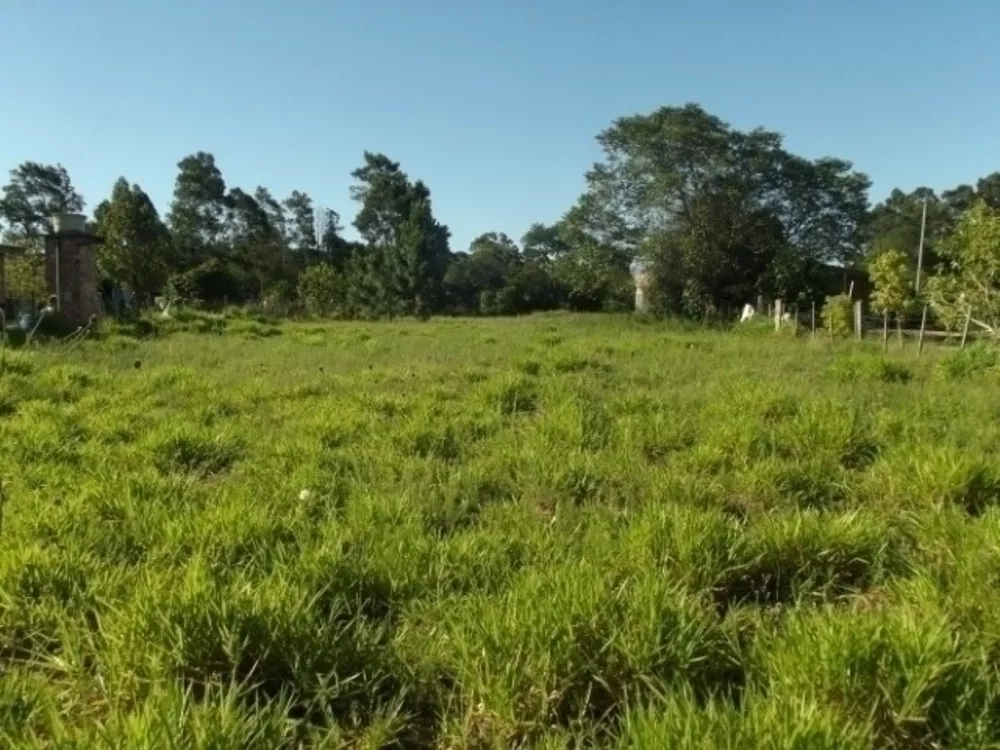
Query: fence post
(899, 329)
(965, 328)
(923, 325)
(3, 334)
(885, 331)
(778, 310)
(814, 319)
(858, 333)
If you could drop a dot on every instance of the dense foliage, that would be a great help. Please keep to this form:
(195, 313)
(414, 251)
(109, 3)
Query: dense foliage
(717, 216)
(969, 284)
(838, 315)
(891, 276)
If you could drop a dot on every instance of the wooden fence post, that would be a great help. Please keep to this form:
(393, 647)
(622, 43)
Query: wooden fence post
(778, 310)
(814, 319)
(3, 335)
(965, 328)
(923, 325)
(885, 331)
(858, 333)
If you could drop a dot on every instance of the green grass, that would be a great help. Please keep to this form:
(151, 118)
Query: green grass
(556, 531)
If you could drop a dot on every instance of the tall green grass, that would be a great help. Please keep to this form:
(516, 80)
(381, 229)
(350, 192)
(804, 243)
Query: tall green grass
(555, 531)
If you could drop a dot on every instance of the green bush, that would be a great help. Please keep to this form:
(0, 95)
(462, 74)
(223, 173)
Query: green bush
(214, 283)
(838, 315)
(964, 363)
(321, 289)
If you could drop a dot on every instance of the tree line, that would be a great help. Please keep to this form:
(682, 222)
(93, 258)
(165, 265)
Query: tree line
(715, 216)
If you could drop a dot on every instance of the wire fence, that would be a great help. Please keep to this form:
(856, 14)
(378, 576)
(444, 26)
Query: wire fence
(889, 328)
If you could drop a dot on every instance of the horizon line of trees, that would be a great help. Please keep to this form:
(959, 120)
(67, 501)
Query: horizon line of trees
(715, 216)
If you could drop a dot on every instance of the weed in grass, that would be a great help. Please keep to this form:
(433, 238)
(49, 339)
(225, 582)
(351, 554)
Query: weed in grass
(870, 368)
(8, 401)
(795, 723)
(195, 453)
(806, 556)
(513, 395)
(965, 363)
(530, 367)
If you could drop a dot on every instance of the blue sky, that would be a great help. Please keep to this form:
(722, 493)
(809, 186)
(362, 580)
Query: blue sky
(494, 105)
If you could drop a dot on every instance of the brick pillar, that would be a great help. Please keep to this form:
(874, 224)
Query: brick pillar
(71, 275)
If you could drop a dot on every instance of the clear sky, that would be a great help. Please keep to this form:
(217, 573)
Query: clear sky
(494, 105)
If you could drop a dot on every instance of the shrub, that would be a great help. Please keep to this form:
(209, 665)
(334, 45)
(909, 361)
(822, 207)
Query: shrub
(214, 282)
(321, 289)
(965, 363)
(838, 315)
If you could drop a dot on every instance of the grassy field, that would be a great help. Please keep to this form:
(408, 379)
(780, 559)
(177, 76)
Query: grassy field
(546, 532)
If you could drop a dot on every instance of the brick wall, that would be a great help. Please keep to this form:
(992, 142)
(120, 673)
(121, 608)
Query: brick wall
(78, 280)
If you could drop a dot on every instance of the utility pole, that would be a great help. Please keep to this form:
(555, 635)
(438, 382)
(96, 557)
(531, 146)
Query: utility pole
(920, 250)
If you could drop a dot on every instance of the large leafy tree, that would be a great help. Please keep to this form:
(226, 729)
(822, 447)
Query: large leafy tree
(384, 193)
(275, 210)
(136, 248)
(254, 241)
(956, 201)
(969, 282)
(822, 204)
(336, 250)
(988, 190)
(495, 276)
(277, 218)
(592, 273)
(493, 260)
(33, 194)
(544, 242)
(416, 264)
(681, 182)
(729, 256)
(198, 213)
(894, 224)
(474, 279)
(302, 224)
(247, 223)
(407, 251)
(591, 277)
